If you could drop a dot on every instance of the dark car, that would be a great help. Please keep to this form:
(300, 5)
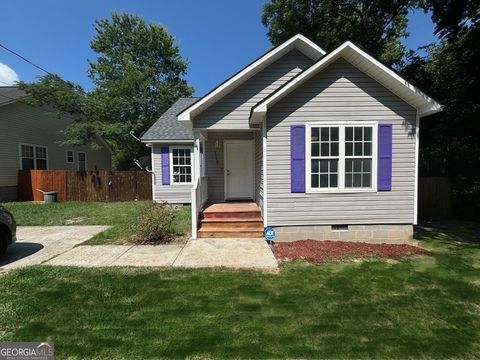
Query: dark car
(8, 229)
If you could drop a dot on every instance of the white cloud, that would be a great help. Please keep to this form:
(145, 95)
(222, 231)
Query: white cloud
(8, 76)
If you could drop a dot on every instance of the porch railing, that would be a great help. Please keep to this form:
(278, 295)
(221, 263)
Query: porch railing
(199, 198)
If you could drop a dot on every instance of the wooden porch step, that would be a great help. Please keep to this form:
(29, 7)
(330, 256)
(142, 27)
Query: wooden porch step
(232, 225)
(231, 220)
(202, 233)
(227, 216)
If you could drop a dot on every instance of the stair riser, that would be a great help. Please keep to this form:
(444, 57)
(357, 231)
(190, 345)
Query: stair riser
(217, 225)
(254, 215)
(240, 234)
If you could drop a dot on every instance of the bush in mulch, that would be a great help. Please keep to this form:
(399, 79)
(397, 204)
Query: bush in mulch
(328, 251)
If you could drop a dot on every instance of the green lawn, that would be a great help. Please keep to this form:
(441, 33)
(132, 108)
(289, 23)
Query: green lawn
(423, 308)
(120, 215)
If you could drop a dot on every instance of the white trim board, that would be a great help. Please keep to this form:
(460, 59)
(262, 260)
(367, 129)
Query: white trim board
(417, 146)
(365, 63)
(300, 42)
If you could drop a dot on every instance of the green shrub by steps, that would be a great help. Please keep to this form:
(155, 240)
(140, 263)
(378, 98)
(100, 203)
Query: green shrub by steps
(155, 224)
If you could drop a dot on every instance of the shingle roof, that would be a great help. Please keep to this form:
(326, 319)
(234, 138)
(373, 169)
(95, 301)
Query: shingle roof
(10, 93)
(167, 127)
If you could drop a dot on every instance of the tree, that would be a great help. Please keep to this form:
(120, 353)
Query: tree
(376, 25)
(450, 72)
(137, 75)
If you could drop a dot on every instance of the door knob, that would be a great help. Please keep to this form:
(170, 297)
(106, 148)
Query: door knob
(228, 172)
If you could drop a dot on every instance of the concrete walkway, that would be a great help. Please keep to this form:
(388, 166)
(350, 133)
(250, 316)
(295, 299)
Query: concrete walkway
(56, 245)
(38, 244)
(229, 253)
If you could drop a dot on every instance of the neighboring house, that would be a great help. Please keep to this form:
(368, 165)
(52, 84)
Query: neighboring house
(325, 145)
(29, 139)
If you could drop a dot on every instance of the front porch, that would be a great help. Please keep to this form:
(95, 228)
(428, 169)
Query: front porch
(227, 196)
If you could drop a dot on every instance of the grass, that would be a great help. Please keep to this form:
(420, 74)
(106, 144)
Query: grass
(119, 215)
(424, 307)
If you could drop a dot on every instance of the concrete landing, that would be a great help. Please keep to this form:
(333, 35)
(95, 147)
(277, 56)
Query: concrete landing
(238, 253)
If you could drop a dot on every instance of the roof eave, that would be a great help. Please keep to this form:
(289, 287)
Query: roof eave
(298, 41)
(430, 107)
(166, 141)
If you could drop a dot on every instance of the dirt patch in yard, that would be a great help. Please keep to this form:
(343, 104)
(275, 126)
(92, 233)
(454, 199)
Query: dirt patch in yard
(328, 251)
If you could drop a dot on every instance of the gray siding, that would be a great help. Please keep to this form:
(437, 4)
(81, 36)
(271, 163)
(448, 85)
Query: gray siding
(259, 168)
(233, 110)
(20, 123)
(174, 194)
(340, 92)
(214, 161)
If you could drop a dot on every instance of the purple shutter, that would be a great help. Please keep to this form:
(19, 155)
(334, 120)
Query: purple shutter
(384, 181)
(297, 158)
(165, 151)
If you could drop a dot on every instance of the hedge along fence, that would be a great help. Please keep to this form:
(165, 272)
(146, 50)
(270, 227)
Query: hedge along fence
(100, 185)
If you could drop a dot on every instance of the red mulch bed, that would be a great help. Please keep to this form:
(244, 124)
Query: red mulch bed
(328, 251)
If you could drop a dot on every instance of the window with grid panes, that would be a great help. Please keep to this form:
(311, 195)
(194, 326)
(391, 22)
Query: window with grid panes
(324, 157)
(182, 165)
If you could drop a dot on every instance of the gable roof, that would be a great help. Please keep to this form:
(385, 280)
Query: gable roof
(300, 42)
(9, 94)
(365, 63)
(167, 127)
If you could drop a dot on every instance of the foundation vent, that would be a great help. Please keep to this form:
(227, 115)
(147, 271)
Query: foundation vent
(339, 227)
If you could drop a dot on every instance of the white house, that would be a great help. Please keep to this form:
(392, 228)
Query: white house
(315, 145)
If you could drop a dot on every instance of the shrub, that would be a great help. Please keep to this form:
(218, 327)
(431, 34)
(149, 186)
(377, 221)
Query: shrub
(154, 224)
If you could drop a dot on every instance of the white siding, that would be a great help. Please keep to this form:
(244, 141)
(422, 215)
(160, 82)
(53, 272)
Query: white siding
(340, 92)
(233, 110)
(20, 123)
(174, 194)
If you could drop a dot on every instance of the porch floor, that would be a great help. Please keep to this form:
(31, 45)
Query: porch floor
(231, 220)
(231, 207)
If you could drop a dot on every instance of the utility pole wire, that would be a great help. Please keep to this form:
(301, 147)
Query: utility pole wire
(25, 59)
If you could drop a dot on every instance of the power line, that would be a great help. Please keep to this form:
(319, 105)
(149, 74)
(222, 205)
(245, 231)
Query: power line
(8, 97)
(6, 84)
(25, 59)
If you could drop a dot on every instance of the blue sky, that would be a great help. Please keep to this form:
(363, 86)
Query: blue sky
(218, 36)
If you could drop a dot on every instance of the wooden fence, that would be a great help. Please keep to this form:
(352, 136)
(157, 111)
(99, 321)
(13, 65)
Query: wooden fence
(98, 185)
(434, 198)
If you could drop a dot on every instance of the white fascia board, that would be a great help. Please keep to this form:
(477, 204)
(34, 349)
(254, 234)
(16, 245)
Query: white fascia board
(429, 110)
(172, 141)
(262, 106)
(185, 115)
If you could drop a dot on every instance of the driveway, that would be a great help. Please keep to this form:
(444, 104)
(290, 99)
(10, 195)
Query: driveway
(38, 244)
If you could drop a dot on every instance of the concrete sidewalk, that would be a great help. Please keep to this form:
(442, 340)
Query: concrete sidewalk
(201, 253)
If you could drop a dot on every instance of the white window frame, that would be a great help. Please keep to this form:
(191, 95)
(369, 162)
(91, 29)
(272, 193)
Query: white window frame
(179, 147)
(34, 154)
(73, 156)
(78, 160)
(341, 156)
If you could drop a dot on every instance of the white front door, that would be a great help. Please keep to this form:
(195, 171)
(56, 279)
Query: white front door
(239, 179)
